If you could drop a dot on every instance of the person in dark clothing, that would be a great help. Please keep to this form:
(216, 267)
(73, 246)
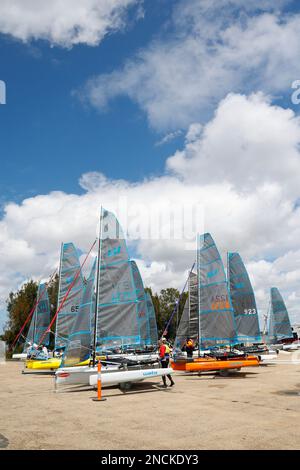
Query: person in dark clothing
(189, 347)
(164, 355)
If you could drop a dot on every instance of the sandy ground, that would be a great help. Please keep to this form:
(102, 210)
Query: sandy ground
(259, 409)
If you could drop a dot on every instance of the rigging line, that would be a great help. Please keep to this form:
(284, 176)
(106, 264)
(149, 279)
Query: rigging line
(32, 310)
(67, 293)
(177, 303)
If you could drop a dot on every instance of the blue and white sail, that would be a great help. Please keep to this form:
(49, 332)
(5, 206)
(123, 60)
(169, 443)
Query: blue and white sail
(118, 303)
(279, 321)
(243, 301)
(79, 346)
(152, 321)
(40, 319)
(189, 322)
(69, 268)
(216, 317)
(143, 314)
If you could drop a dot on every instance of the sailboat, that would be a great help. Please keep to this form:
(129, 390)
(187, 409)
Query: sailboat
(120, 309)
(40, 319)
(208, 316)
(68, 269)
(280, 330)
(245, 310)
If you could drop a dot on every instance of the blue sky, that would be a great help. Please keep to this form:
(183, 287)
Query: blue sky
(185, 101)
(48, 138)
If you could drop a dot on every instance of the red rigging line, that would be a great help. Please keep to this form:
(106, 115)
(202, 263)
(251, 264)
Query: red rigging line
(32, 311)
(67, 293)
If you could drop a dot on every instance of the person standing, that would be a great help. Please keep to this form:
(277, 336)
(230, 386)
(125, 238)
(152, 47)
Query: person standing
(189, 347)
(164, 355)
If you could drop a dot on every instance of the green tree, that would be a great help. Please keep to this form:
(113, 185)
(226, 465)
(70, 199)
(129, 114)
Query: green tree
(164, 305)
(19, 305)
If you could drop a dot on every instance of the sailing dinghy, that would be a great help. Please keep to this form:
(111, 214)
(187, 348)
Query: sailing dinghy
(69, 267)
(120, 321)
(208, 317)
(245, 310)
(280, 331)
(37, 329)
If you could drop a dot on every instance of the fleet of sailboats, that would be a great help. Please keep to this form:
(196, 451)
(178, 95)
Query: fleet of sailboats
(110, 317)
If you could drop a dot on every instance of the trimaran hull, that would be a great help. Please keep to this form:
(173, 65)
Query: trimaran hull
(54, 363)
(110, 375)
(212, 364)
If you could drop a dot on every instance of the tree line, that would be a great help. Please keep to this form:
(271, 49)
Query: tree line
(21, 302)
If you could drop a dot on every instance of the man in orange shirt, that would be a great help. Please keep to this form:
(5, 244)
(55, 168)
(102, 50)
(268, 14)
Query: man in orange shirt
(164, 355)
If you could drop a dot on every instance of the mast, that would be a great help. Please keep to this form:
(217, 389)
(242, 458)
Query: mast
(58, 292)
(97, 290)
(199, 302)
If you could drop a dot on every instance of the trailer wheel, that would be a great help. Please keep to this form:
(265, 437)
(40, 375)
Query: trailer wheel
(125, 386)
(224, 373)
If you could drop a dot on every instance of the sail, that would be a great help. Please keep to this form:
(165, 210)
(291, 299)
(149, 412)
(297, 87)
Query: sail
(78, 348)
(40, 319)
(217, 323)
(189, 322)
(152, 320)
(69, 267)
(143, 319)
(279, 326)
(243, 301)
(118, 304)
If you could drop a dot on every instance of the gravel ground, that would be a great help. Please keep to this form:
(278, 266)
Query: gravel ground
(257, 408)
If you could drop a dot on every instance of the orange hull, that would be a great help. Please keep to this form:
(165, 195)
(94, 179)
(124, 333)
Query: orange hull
(211, 364)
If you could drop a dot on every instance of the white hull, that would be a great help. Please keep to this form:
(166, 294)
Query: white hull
(22, 356)
(290, 347)
(116, 378)
(82, 375)
(267, 358)
(134, 357)
(79, 375)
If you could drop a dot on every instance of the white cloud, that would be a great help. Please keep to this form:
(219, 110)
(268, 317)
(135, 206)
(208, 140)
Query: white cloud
(247, 143)
(63, 22)
(211, 48)
(248, 200)
(169, 137)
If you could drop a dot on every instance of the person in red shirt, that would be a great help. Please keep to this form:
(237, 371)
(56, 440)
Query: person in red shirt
(164, 355)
